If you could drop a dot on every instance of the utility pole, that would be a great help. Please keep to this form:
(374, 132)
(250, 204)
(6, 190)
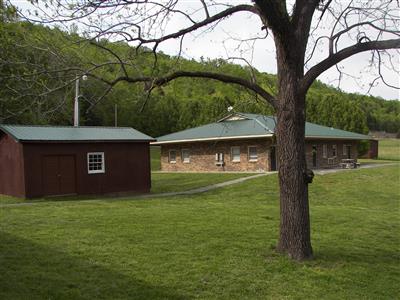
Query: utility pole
(76, 102)
(116, 115)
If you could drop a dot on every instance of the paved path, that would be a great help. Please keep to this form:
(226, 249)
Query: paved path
(197, 190)
(363, 166)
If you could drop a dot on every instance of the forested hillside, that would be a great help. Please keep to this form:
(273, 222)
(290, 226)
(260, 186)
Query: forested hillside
(38, 67)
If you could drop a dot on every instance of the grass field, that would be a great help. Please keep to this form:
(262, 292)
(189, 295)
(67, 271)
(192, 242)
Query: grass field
(213, 245)
(177, 182)
(161, 183)
(155, 153)
(389, 149)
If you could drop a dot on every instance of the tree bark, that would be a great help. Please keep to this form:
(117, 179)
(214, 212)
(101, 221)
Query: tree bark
(294, 237)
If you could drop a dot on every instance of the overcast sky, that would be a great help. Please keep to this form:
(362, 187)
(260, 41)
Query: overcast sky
(220, 42)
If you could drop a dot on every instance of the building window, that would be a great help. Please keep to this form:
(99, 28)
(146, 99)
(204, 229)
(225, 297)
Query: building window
(324, 150)
(219, 159)
(95, 162)
(235, 154)
(185, 156)
(347, 151)
(334, 151)
(253, 156)
(314, 156)
(172, 156)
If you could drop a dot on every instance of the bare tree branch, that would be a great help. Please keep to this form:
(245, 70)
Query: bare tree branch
(205, 8)
(332, 60)
(154, 82)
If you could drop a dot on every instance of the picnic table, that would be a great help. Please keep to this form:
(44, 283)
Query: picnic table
(349, 163)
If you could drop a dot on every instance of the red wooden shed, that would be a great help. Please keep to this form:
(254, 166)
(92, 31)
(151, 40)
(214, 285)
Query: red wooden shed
(37, 161)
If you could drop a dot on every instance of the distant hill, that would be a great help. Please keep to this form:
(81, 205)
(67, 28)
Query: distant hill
(25, 98)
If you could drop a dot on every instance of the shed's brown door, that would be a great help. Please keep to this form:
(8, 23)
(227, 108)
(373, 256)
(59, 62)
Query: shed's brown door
(59, 175)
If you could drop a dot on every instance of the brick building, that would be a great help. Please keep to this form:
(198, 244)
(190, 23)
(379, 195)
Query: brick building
(245, 142)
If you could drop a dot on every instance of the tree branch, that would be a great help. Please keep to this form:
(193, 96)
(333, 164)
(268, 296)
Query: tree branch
(302, 18)
(205, 22)
(303, 13)
(205, 8)
(113, 54)
(333, 59)
(151, 83)
(275, 16)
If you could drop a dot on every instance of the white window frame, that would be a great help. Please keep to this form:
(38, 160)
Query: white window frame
(219, 158)
(103, 163)
(232, 156)
(183, 157)
(169, 156)
(248, 154)
(325, 150)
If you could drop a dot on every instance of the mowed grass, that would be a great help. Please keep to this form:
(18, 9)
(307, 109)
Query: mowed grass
(4, 199)
(389, 149)
(178, 182)
(160, 183)
(217, 245)
(155, 160)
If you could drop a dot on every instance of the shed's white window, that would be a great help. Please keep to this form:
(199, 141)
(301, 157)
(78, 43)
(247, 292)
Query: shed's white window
(172, 156)
(95, 162)
(235, 154)
(253, 156)
(185, 155)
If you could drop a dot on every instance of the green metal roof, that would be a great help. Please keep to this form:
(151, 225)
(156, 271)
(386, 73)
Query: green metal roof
(243, 125)
(73, 134)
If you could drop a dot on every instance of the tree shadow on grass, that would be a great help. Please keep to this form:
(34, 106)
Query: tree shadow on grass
(32, 271)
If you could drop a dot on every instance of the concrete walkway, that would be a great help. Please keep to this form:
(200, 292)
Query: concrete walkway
(363, 166)
(197, 190)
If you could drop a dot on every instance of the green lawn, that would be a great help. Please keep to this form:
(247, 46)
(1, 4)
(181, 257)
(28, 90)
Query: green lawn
(177, 182)
(4, 199)
(155, 153)
(389, 149)
(213, 245)
(161, 183)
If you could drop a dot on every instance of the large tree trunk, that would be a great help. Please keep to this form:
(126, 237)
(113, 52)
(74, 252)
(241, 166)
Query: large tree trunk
(294, 239)
(294, 236)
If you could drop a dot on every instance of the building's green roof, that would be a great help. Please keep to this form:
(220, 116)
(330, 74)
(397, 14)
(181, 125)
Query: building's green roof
(73, 134)
(242, 125)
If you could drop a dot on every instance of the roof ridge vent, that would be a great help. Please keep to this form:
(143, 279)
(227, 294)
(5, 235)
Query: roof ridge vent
(234, 117)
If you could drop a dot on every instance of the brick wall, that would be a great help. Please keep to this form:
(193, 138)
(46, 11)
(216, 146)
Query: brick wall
(329, 161)
(202, 155)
